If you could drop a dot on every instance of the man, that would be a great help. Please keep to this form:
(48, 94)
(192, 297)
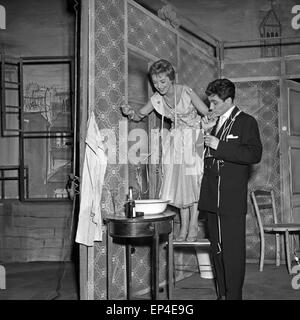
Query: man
(234, 144)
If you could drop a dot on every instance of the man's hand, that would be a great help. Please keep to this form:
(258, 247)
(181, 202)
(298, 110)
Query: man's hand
(211, 141)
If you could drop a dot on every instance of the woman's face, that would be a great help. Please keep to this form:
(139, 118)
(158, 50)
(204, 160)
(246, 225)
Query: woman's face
(161, 82)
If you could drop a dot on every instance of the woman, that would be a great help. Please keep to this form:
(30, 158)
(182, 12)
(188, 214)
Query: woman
(181, 179)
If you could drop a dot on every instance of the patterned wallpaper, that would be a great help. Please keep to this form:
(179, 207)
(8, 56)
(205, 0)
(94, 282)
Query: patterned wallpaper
(149, 35)
(196, 69)
(109, 52)
(261, 99)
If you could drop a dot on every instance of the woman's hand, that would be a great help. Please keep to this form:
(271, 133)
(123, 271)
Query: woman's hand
(127, 110)
(207, 123)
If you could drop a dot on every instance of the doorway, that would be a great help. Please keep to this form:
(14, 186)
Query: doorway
(290, 148)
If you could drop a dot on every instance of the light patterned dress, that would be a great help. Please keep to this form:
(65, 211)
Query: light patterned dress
(182, 150)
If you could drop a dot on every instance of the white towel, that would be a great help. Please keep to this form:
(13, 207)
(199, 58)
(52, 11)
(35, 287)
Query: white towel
(95, 161)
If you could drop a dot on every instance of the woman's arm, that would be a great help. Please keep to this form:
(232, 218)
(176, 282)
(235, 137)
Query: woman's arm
(198, 103)
(137, 115)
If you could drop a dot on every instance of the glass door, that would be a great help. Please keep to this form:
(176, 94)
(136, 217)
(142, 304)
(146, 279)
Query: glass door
(47, 135)
(11, 113)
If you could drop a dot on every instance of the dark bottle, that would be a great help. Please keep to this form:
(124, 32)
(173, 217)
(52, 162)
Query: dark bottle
(130, 205)
(126, 206)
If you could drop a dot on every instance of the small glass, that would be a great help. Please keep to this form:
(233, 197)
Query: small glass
(212, 117)
(207, 153)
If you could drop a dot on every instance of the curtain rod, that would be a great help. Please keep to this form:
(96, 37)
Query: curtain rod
(261, 39)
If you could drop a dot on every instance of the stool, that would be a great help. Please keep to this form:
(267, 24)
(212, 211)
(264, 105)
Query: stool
(199, 244)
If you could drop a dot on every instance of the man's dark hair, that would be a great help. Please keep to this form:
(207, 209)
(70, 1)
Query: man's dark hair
(223, 88)
(162, 66)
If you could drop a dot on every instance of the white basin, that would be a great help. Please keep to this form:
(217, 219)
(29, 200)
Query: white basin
(151, 206)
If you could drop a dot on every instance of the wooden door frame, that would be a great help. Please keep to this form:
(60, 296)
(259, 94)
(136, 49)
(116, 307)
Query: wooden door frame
(285, 150)
(84, 103)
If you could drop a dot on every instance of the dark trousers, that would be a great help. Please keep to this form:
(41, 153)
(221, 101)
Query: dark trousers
(230, 263)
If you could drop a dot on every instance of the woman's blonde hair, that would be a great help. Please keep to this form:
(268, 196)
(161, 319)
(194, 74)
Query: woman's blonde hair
(162, 66)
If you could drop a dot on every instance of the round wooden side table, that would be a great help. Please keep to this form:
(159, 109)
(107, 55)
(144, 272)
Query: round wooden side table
(149, 226)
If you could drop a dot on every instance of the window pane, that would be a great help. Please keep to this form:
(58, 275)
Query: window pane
(11, 154)
(295, 174)
(294, 104)
(11, 173)
(9, 189)
(12, 123)
(47, 97)
(49, 162)
(11, 72)
(12, 98)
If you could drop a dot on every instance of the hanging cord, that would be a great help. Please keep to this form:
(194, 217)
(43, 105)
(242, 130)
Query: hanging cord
(175, 106)
(218, 210)
(227, 128)
(112, 195)
(162, 145)
(138, 176)
(162, 127)
(225, 132)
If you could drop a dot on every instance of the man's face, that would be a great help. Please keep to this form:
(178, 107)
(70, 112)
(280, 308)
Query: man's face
(218, 106)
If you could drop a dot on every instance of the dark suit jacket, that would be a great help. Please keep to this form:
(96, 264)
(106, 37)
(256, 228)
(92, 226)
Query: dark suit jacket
(229, 168)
